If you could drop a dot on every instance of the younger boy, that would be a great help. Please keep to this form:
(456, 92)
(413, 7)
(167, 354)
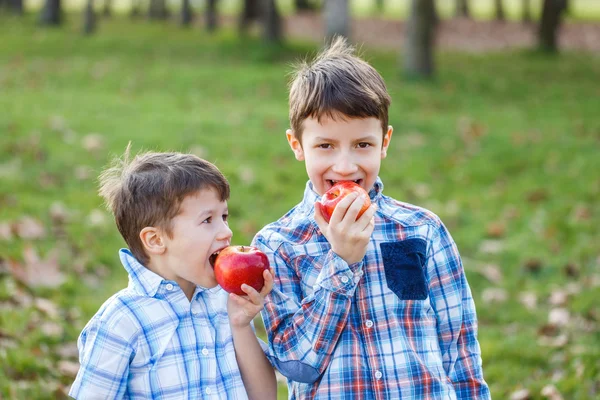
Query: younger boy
(172, 333)
(371, 308)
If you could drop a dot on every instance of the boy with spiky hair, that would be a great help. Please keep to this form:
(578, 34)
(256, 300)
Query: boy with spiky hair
(173, 333)
(376, 307)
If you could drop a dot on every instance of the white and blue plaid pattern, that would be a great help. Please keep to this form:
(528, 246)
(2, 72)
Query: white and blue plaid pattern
(345, 327)
(149, 342)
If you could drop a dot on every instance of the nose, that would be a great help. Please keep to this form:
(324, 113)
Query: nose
(344, 164)
(225, 232)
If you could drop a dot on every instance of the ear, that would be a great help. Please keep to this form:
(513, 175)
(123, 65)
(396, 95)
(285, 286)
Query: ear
(152, 240)
(295, 145)
(387, 138)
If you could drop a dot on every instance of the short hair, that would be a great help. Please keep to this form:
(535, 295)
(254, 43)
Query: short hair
(148, 191)
(337, 84)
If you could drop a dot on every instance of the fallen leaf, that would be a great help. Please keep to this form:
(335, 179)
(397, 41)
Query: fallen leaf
(51, 329)
(29, 228)
(529, 300)
(533, 265)
(93, 142)
(5, 231)
(58, 212)
(35, 272)
(559, 317)
(83, 173)
(521, 394)
(491, 246)
(571, 270)
(492, 273)
(496, 229)
(97, 218)
(558, 298)
(47, 307)
(557, 341)
(537, 195)
(68, 368)
(68, 350)
(57, 123)
(494, 295)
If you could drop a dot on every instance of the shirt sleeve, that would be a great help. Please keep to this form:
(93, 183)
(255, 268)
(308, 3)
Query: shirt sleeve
(104, 357)
(303, 331)
(456, 317)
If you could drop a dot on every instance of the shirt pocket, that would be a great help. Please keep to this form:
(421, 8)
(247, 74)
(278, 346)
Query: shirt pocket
(403, 263)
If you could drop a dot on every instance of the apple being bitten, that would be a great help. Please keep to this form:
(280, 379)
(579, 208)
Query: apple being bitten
(340, 190)
(236, 265)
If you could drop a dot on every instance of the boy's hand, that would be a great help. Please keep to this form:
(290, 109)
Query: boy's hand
(348, 236)
(243, 309)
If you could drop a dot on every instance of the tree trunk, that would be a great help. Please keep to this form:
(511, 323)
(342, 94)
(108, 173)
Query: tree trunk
(211, 16)
(271, 19)
(419, 42)
(158, 9)
(250, 12)
(136, 9)
(14, 6)
(51, 13)
(550, 24)
(462, 8)
(337, 18)
(380, 4)
(526, 8)
(106, 10)
(304, 5)
(89, 18)
(186, 13)
(500, 16)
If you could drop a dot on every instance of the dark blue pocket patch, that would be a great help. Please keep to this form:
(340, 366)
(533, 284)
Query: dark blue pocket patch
(403, 263)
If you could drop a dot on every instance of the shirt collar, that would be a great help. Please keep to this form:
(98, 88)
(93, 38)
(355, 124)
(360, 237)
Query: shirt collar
(143, 280)
(310, 196)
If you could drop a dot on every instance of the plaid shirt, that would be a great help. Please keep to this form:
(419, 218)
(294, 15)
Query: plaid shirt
(149, 341)
(400, 324)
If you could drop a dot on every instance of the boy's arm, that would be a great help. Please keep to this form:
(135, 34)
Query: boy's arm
(104, 358)
(456, 318)
(304, 331)
(256, 371)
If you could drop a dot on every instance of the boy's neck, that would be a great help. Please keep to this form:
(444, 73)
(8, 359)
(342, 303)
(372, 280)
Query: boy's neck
(156, 265)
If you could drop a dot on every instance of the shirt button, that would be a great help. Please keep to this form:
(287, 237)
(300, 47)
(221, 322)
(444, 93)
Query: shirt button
(195, 311)
(205, 351)
(169, 287)
(378, 374)
(344, 279)
(208, 391)
(369, 324)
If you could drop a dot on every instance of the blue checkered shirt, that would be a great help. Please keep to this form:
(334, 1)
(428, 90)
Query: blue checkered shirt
(149, 341)
(400, 324)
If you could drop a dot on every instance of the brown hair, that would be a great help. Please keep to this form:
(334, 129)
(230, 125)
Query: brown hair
(148, 191)
(336, 84)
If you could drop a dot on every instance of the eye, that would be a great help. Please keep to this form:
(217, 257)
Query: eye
(364, 145)
(324, 146)
(225, 216)
(207, 220)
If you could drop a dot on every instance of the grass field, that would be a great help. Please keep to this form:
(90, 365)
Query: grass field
(504, 147)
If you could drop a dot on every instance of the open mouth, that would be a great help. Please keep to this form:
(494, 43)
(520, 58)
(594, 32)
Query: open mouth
(332, 182)
(213, 258)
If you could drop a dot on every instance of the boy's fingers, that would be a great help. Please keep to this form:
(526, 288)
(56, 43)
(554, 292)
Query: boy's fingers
(342, 208)
(268, 276)
(253, 295)
(365, 220)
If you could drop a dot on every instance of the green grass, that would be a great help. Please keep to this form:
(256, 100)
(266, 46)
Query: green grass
(510, 139)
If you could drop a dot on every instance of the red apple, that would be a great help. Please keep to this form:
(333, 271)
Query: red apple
(236, 265)
(340, 190)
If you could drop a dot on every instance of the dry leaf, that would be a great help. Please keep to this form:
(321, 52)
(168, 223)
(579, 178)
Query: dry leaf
(83, 173)
(491, 246)
(97, 218)
(5, 231)
(559, 317)
(57, 123)
(47, 307)
(533, 265)
(35, 272)
(551, 392)
(494, 295)
(29, 228)
(51, 329)
(93, 142)
(529, 300)
(521, 394)
(58, 212)
(68, 368)
(558, 298)
(557, 341)
(492, 273)
(496, 229)
(68, 351)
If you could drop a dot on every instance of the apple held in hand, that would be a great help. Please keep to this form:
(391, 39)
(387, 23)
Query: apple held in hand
(236, 265)
(340, 190)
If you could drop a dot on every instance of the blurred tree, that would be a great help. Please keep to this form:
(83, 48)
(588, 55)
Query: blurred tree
(272, 31)
(337, 18)
(380, 5)
(106, 9)
(211, 17)
(419, 39)
(51, 13)
(136, 9)
(186, 13)
(499, 10)
(14, 6)
(158, 9)
(552, 11)
(462, 8)
(265, 12)
(305, 5)
(526, 11)
(89, 18)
